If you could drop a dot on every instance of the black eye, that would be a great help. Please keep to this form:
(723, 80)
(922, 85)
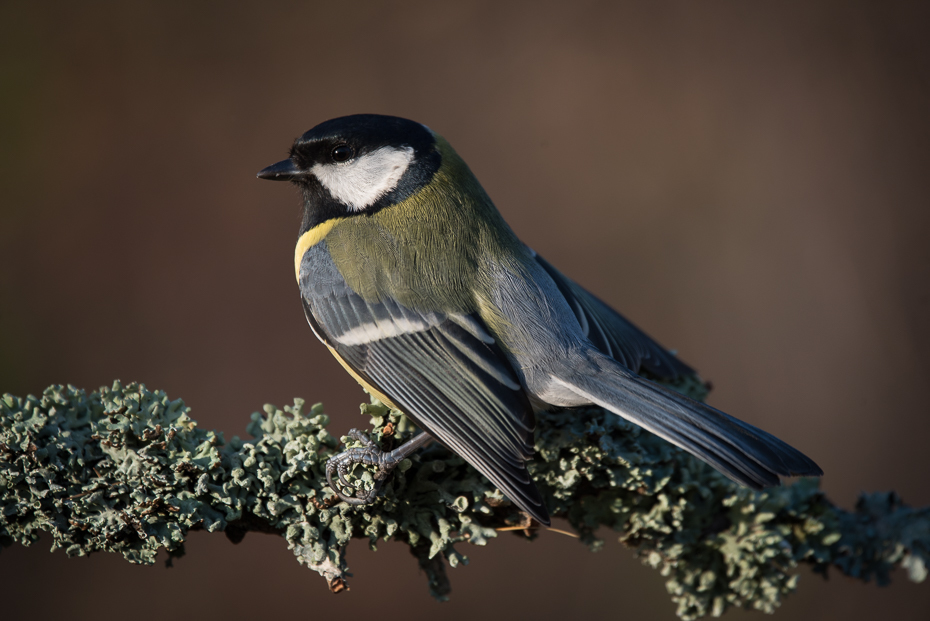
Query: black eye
(342, 152)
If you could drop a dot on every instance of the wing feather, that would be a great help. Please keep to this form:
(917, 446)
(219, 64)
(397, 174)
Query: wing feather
(447, 374)
(615, 335)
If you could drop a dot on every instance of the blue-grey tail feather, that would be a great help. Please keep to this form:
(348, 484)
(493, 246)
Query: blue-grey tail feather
(744, 453)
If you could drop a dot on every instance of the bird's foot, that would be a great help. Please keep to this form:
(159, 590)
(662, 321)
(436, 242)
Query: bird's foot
(370, 454)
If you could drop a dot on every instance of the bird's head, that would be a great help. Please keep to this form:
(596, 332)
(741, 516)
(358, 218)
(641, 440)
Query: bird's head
(356, 165)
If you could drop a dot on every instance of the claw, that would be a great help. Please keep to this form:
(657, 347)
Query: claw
(358, 436)
(330, 467)
(342, 471)
(369, 455)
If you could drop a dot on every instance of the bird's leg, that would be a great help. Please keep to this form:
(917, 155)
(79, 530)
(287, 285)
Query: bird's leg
(369, 455)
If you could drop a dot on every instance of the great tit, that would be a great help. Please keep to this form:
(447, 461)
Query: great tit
(416, 284)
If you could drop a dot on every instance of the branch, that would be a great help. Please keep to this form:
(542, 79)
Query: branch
(126, 470)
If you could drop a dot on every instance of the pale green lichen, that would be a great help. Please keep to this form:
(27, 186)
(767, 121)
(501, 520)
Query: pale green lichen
(127, 470)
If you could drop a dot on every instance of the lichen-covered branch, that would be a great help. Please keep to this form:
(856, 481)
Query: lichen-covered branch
(126, 470)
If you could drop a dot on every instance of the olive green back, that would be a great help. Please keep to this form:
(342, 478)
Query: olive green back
(425, 251)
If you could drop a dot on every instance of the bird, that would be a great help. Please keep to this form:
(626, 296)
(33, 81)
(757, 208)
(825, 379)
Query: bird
(412, 279)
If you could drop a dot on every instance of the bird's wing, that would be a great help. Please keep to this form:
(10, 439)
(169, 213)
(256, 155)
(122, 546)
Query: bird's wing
(744, 453)
(613, 334)
(444, 371)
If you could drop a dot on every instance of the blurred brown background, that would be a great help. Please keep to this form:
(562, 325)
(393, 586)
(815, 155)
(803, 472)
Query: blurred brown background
(750, 184)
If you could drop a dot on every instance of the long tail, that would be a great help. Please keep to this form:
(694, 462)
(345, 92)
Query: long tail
(744, 453)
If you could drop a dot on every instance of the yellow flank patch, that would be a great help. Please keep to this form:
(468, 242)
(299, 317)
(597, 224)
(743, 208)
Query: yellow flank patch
(312, 238)
(358, 378)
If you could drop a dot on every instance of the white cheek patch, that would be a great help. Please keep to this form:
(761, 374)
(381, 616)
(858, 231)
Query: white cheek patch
(358, 184)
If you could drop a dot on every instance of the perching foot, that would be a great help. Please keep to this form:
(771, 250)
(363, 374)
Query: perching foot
(368, 455)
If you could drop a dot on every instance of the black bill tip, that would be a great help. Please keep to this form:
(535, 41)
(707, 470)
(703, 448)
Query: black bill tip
(285, 170)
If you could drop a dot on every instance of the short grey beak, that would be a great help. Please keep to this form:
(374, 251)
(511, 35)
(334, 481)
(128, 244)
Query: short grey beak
(285, 170)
